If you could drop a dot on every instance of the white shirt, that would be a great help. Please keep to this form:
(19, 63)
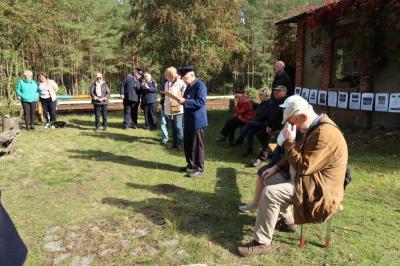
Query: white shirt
(44, 90)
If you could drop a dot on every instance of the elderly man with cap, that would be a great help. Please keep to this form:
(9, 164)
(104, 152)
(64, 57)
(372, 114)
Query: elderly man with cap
(195, 120)
(243, 113)
(129, 91)
(316, 183)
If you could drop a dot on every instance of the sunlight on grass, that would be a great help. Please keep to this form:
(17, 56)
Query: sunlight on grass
(124, 193)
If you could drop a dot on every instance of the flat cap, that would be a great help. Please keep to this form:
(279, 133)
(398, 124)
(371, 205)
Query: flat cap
(184, 70)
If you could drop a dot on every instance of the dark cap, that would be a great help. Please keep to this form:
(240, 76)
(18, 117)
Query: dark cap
(280, 88)
(184, 70)
(139, 70)
(239, 91)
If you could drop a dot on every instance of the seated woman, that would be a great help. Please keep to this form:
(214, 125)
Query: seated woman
(243, 112)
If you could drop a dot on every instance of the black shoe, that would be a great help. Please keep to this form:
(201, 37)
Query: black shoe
(125, 128)
(104, 128)
(134, 126)
(31, 127)
(194, 173)
(96, 129)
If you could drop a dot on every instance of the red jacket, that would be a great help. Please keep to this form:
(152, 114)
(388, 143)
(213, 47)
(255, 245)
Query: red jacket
(244, 109)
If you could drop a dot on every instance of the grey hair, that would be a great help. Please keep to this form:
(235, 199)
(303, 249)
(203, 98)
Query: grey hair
(264, 91)
(280, 62)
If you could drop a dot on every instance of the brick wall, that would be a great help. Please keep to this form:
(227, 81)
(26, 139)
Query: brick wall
(300, 53)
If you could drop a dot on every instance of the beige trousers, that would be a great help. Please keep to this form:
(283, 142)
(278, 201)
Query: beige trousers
(276, 200)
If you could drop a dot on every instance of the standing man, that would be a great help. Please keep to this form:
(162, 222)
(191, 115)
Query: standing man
(129, 92)
(195, 120)
(149, 101)
(282, 78)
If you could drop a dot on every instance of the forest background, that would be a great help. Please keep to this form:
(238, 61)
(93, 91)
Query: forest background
(230, 42)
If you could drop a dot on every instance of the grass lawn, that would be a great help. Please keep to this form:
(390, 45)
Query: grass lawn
(117, 198)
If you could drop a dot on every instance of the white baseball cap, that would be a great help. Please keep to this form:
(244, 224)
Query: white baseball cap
(292, 105)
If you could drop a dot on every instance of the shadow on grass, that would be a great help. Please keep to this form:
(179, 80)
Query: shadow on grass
(120, 159)
(89, 123)
(197, 213)
(121, 137)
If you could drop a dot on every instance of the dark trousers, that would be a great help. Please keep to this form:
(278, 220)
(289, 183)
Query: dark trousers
(194, 148)
(130, 113)
(49, 110)
(263, 137)
(251, 128)
(100, 109)
(29, 113)
(230, 126)
(150, 115)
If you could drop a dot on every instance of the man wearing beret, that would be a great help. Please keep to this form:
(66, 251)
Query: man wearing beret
(195, 120)
(129, 91)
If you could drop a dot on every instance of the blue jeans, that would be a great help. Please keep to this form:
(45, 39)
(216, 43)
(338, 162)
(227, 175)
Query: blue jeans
(164, 127)
(177, 129)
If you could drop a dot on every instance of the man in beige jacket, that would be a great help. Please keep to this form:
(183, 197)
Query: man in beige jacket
(316, 185)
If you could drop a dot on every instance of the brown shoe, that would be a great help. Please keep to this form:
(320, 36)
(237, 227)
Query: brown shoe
(179, 147)
(283, 226)
(253, 248)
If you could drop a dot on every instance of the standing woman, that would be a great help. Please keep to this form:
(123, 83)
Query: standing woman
(149, 101)
(27, 91)
(100, 94)
(48, 98)
(172, 108)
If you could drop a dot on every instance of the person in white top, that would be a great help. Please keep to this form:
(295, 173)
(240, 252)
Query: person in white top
(172, 109)
(48, 98)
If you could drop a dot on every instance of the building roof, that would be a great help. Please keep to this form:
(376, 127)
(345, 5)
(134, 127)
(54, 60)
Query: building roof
(311, 10)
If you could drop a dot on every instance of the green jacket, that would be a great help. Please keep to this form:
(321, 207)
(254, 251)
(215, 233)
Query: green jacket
(28, 90)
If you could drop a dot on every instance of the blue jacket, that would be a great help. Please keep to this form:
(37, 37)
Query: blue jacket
(28, 91)
(129, 88)
(195, 114)
(149, 96)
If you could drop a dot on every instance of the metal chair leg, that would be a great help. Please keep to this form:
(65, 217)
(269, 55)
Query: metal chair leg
(328, 233)
(302, 236)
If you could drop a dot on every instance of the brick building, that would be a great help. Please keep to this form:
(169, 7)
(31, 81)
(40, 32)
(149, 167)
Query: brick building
(329, 60)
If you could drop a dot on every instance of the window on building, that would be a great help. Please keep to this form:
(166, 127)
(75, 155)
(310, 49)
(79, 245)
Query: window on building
(345, 65)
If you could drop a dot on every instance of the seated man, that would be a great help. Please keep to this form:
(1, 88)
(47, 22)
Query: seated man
(319, 165)
(268, 117)
(243, 113)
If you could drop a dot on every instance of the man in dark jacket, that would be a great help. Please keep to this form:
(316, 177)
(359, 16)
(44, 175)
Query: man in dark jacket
(195, 121)
(282, 78)
(148, 91)
(129, 92)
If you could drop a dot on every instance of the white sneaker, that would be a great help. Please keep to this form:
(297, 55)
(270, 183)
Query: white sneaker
(53, 127)
(247, 208)
(47, 125)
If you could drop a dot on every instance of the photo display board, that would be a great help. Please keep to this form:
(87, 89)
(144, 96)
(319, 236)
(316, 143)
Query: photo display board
(381, 102)
(394, 103)
(332, 98)
(312, 98)
(343, 100)
(322, 98)
(367, 101)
